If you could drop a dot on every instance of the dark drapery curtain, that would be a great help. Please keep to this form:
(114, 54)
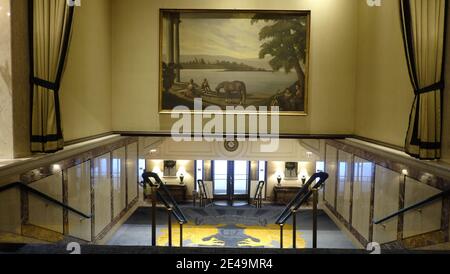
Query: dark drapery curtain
(423, 26)
(50, 29)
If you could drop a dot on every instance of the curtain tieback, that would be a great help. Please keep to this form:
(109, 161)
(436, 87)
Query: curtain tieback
(436, 86)
(45, 84)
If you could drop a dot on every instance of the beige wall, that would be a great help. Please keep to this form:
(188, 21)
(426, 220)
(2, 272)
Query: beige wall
(86, 84)
(384, 94)
(332, 62)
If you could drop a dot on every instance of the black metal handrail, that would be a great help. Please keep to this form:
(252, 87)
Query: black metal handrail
(31, 190)
(258, 194)
(203, 193)
(302, 196)
(412, 207)
(165, 196)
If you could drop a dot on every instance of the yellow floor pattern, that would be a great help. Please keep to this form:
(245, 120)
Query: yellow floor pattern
(243, 236)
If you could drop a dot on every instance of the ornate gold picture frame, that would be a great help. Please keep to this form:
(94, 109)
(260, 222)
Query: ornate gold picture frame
(246, 59)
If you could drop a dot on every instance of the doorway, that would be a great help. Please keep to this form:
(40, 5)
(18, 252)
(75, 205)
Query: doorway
(231, 181)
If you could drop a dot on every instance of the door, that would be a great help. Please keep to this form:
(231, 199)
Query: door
(231, 180)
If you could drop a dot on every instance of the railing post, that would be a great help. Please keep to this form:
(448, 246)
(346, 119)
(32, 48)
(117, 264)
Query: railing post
(294, 228)
(181, 234)
(154, 190)
(281, 236)
(315, 201)
(169, 213)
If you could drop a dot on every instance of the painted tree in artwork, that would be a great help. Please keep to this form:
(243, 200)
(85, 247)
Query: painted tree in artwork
(284, 39)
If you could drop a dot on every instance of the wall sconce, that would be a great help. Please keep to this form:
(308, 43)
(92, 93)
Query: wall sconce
(56, 168)
(181, 178)
(405, 172)
(181, 172)
(279, 179)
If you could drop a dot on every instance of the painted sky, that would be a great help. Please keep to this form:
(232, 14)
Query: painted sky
(235, 37)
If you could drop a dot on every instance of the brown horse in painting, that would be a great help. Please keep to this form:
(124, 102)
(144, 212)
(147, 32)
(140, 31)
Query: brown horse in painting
(231, 88)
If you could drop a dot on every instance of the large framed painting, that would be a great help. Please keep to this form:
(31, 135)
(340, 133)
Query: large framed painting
(231, 58)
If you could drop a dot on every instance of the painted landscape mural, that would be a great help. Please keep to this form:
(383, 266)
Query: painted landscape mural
(234, 59)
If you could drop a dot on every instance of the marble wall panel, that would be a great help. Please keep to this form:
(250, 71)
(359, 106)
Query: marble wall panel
(387, 190)
(132, 174)
(101, 173)
(10, 220)
(79, 197)
(425, 219)
(43, 213)
(118, 171)
(331, 168)
(343, 195)
(362, 191)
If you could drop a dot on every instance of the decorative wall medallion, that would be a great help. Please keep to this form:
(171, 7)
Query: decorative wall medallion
(231, 146)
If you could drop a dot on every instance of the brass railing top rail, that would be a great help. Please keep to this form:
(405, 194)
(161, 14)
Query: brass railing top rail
(31, 190)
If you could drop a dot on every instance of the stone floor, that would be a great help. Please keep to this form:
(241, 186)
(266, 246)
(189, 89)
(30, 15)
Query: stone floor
(217, 226)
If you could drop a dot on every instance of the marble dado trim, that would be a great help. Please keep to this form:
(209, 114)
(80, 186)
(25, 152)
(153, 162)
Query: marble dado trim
(416, 170)
(372, 203)
(418, 241)
(352, 185)
(49, 169)
(401, 204)
(36, 232)
(65, 193)
(92, 184)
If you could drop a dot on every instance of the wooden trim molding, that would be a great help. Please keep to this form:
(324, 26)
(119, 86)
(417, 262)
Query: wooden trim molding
(87, 138)
(244, 135)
